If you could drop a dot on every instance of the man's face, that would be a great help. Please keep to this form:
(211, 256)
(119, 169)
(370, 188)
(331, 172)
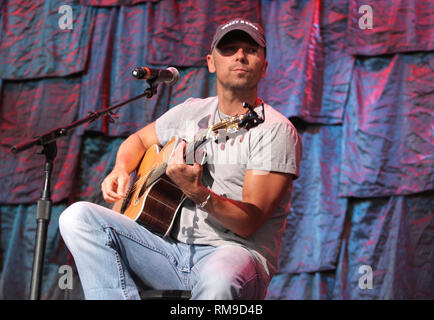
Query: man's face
(238, 61)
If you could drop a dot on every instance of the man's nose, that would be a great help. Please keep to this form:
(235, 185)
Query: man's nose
(240, 54)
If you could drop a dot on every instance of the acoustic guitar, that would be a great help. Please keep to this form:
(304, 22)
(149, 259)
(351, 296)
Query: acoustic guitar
(152, 199)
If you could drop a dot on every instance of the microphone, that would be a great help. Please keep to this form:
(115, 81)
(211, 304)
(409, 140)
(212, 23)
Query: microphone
(170, 75)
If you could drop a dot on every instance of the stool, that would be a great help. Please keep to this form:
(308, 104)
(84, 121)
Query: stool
(165, 294)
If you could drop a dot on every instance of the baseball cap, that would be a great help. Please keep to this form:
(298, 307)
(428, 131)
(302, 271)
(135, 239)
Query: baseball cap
(254, 30)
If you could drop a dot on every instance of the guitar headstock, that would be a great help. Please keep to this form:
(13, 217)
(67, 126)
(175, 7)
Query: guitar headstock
(231, 126)
(235, 123)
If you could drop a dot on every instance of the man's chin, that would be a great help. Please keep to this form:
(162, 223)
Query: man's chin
(242, 84)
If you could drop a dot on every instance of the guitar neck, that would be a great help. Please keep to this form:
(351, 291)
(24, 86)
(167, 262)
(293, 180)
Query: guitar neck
(200, 138)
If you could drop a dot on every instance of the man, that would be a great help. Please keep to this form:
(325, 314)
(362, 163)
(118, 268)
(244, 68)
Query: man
(225, 242)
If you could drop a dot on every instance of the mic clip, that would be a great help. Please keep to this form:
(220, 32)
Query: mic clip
(153, 84)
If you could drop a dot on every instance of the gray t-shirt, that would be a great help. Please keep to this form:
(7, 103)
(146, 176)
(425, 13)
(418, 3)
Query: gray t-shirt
(272, 146)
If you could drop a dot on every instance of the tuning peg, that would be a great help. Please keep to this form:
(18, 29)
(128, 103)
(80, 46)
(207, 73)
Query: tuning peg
(248, 106)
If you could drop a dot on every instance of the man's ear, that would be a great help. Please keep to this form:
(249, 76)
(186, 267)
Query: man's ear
(210, 62)
(264, 69)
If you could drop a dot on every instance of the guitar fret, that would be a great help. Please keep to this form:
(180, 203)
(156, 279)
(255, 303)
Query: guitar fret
(198, 140)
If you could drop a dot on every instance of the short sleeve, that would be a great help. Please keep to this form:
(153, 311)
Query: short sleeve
(275, 147)
(170, 123)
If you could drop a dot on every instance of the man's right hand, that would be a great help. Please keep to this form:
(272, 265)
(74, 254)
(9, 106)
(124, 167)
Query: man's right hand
(130, 152)
(114, 186)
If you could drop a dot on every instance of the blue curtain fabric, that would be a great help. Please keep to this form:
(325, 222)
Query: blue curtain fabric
(361, 99)
(397, 26)
(388, 127)
(30, 108)
(37, 42)
(314, 227)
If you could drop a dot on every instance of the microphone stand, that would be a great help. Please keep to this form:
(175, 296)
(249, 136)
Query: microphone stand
(43, 212)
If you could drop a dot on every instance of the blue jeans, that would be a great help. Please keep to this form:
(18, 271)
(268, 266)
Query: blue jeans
(114, 255)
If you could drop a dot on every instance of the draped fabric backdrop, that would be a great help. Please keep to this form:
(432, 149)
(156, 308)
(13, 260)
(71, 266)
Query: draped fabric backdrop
(362, 100)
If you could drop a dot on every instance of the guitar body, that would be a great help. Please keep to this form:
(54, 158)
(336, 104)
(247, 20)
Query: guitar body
(153, 204)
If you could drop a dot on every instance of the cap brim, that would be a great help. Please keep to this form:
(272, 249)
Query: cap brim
(246, 29)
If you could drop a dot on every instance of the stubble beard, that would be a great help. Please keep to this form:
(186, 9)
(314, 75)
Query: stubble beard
(240, 84)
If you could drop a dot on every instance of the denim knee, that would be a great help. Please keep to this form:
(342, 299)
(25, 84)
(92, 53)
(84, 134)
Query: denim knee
(73, 216)
(230, 272)
(216, 287)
